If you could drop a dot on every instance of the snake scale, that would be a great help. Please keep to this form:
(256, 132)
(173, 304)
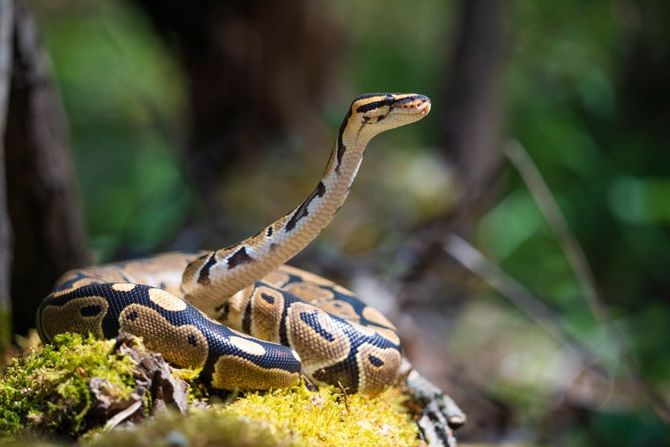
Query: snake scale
(239, 313)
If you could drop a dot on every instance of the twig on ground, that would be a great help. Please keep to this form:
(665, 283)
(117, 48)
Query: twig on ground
(552, 214)
(544, 316)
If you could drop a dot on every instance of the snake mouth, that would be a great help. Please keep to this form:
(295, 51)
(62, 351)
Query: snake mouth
(414, 104)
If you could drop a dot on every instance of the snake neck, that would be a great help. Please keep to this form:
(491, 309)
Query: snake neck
(217, 275)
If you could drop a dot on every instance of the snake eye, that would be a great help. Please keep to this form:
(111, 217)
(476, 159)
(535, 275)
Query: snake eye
(377, 114)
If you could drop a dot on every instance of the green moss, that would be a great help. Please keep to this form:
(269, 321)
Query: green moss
(197, 391)
(48, 391)
(329, 418)
(291, 417)
(33, 442)
(200, 428)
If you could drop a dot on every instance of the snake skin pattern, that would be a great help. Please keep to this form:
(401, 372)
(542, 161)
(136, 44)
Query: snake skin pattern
(239, 313)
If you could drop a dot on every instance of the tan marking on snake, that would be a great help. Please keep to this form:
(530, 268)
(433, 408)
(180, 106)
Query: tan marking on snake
(276, 278)
(248, 346)
(374, 316)
(175, 343)
(388, 334)
(123, 287)
(68, 317)
(235, 373)
(367, 330)
(166, 300)
(309, 292)
(343, 290)
(267, 308)
(374, 378)
(341, 309)
(314, 350)
(77, 284)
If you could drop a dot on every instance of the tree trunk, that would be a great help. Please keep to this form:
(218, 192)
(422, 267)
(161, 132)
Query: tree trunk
(42, 194)
(470, 121)
(255, 71)
(472, 114)
(6, 26)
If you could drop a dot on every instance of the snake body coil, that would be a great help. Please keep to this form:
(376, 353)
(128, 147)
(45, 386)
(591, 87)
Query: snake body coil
(239, 313)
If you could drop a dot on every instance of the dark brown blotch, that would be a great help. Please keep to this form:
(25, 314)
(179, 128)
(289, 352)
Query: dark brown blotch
(91, 310)
(341, 148)
(222, 311)
(246, 318)
(303, 209)
(203, 277)
(376, 361)
(239, 257)
(268, 298)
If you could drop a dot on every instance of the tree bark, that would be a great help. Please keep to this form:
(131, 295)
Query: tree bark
(43, 199)
(6, 26)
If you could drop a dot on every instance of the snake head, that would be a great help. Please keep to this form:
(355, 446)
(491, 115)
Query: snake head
(384, 111)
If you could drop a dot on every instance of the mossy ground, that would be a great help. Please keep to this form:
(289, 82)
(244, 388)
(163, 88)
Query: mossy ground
(329, 418)
(199, 428)
(293, 417)
(47, 393)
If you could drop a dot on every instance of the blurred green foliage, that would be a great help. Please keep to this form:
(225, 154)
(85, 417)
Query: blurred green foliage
(123, 96)
(570, 99)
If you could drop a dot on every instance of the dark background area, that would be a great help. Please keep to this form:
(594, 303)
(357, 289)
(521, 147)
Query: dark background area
(519, 236)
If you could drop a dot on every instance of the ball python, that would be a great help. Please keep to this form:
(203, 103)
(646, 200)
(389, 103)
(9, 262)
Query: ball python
(243, 316)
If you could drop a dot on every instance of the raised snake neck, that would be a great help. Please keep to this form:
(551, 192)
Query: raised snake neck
(214, 276)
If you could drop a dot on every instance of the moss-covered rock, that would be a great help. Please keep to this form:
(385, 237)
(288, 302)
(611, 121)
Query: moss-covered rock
(49, 391)
(79, 383)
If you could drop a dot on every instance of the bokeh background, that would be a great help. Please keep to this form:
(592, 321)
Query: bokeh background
(194, 124)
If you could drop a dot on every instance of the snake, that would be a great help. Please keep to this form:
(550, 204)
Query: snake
(240, 314)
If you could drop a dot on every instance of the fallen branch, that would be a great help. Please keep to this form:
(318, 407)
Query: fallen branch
(543, 315)
(552, 214)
